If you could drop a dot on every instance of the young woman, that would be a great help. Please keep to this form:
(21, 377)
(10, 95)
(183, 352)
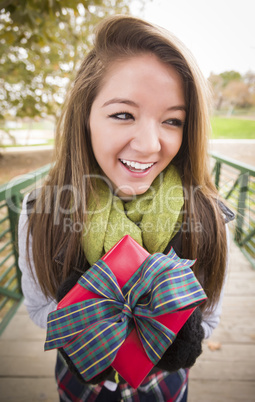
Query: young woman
(131, 158)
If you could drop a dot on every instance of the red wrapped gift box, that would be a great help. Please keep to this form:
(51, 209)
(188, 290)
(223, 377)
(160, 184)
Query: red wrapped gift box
(131, 362)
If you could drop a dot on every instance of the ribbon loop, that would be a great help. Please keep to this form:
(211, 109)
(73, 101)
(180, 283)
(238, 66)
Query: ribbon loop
(92, 331)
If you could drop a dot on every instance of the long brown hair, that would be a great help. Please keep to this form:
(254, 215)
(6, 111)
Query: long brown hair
(66, 190)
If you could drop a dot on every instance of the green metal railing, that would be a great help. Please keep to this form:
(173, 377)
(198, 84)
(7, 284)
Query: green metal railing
(11, 196)
(236, 183)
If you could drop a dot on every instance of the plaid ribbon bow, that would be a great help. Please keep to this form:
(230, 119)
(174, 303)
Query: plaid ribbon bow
(93, 330)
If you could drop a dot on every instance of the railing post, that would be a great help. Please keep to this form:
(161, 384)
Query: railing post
(13, 211)
(11, 195)
(243, 179)
(217, 174)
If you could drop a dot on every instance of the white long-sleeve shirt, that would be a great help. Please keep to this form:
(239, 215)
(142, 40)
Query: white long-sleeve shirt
(39, 306)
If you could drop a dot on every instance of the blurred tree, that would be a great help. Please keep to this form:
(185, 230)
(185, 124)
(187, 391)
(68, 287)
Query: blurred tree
(249, 79)
(216, 82)
(41, 45)
(237, 93)
(231, 90)
(228, 76)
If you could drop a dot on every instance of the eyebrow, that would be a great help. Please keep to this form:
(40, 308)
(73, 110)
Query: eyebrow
(177, 107)
(120, 100)
(132, 103)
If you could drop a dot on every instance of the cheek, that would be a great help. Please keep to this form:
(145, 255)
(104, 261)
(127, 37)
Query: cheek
(97, 137)
(105, 144)
(96, 125)
(179, 143)
(110, 140)
(173, 145)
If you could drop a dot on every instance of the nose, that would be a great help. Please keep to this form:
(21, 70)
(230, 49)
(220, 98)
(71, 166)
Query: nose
(146, 139)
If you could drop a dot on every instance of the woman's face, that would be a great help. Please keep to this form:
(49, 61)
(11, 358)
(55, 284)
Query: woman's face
(136, 122)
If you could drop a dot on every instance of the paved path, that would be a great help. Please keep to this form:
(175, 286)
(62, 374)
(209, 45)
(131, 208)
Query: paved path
(241, 150)
(224, 375)
(228, 374)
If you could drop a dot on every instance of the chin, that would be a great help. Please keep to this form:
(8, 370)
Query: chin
(139, 192)
(142, 191)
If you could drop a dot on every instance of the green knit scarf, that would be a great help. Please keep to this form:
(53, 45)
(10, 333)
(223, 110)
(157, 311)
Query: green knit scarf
(150, 218)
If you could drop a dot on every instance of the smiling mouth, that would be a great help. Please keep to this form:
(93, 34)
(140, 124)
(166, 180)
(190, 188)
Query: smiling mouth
(136, 166)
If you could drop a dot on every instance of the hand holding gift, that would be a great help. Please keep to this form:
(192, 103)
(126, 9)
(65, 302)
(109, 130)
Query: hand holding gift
(128, 307)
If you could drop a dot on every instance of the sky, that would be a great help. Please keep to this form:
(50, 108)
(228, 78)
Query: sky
(219, 33)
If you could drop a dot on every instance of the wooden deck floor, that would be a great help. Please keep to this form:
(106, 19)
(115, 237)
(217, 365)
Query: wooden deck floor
(224, 375)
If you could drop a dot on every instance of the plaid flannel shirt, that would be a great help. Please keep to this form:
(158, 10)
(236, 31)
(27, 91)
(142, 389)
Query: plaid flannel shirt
(157, 387)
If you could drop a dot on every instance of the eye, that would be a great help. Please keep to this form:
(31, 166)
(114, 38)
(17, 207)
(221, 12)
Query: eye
(122, 116)
(174, 122)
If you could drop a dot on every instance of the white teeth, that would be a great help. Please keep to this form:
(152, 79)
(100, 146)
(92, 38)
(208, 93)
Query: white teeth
(137, 165)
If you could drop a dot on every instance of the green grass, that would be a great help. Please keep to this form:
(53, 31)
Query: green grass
(232, 128)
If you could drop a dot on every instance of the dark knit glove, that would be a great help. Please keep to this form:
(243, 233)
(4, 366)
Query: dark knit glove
(66, 286)
(186, 347)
